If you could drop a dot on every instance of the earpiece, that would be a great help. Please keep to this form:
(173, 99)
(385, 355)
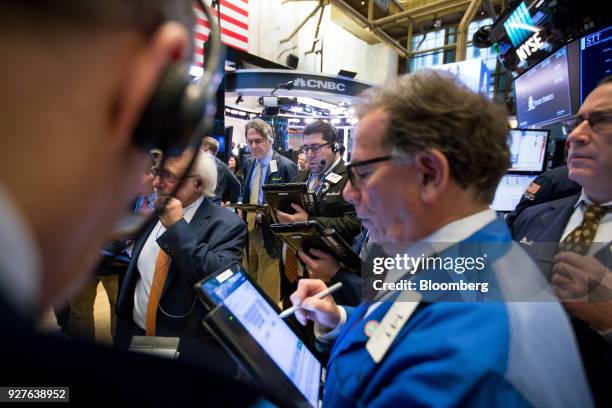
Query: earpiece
(336, 145)
(179, 106)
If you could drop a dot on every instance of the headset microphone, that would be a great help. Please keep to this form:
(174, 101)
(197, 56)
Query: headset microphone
(323, 162)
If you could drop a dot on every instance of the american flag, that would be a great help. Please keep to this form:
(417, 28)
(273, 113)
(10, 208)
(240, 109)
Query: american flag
(234, 27)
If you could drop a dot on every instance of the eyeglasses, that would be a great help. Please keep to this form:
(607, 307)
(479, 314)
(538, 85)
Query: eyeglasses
(355, 178)
(166, 176)
(314, 148)
(598, 122)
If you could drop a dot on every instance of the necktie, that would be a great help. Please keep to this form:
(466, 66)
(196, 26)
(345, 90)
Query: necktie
(291, 265)
(162, 264)
(314, 186)
(145, 204)
(254, 198)
(581, 238)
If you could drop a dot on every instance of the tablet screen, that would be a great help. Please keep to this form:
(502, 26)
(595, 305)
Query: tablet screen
(272, 334)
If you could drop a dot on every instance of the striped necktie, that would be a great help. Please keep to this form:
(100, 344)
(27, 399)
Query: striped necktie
(254, 197)
(162, 265)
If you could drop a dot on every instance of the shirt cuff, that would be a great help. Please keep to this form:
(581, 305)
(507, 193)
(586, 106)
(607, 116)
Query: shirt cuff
(324, 334)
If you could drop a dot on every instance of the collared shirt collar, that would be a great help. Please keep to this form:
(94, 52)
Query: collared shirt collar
(584, 199)
(267, 158)
(20, 260)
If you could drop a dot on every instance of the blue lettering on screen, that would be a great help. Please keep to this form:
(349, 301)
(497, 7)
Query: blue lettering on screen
(595, 60)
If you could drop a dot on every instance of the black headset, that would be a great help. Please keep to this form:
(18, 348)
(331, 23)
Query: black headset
(181, 109)
(335, 146)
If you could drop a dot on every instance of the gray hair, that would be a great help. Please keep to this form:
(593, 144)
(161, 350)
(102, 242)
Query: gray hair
(430, 110)
(262, 127)
(205, 168)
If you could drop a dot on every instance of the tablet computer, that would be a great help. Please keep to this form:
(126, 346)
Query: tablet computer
(280, 196)
(311, 234)
(246, 322)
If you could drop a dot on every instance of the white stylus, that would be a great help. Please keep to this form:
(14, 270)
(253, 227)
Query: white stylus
(320, 295)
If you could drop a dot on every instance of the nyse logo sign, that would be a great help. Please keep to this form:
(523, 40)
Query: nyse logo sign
(530, 46)
(320, 84)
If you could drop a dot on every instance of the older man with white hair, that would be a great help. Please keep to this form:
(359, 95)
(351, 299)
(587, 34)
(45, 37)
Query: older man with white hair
(192, 239)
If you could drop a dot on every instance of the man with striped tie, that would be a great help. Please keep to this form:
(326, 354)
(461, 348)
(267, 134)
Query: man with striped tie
(192, 239)
(573, 236)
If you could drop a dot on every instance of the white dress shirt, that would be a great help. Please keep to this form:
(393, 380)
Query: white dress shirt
(146, 266)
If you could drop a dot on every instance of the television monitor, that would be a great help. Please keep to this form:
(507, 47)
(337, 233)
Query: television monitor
(509, 191)
(595, 60)
(221, 139)
(526, 32)
(543, 93)
(528, 149)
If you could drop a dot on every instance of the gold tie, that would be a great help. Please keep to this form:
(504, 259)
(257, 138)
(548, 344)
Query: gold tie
(581, 238)
(254, 198)
(291, 265)
(162, 264)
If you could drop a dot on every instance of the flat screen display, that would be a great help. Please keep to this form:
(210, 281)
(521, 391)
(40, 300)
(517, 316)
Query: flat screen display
(595, 60)
(273, 335)
(543, 92)
(509, 191)
(527, 149)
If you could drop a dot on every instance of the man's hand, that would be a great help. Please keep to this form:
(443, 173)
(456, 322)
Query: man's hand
(323, 311)
(173, 212)
(576, 276)
(300, 215)
(323, 266)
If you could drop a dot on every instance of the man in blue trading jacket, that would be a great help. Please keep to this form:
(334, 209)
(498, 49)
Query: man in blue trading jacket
(427, 157)
(265, 166)
(573, 236)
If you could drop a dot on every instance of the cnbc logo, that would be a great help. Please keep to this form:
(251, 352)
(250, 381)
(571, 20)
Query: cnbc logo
(320, 84)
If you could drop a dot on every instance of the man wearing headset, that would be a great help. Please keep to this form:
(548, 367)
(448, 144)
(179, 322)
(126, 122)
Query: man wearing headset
(326, 177)
(76, 78)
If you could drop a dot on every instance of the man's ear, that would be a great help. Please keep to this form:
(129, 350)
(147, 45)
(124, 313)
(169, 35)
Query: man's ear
(169, 43)
(434, 173)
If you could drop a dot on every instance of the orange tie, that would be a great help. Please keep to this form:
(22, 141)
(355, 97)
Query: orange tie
(291, 265)
(162, 264)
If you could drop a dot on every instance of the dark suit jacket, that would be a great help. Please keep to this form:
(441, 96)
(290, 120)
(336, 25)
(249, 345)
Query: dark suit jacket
(101, 374)
(553, 185)
(226, 180)
(335, 212)
(286, 171)
(538, 229)
(212, 240)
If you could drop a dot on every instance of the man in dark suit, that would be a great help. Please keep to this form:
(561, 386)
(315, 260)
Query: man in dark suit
(226, 180)
(571, 237)
(192, 239)
(326, 177)
(265, 166)
(548, 186)
(111, 55)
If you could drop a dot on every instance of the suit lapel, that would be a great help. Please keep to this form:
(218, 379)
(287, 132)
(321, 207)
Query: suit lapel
(339, 170)
(197, 223)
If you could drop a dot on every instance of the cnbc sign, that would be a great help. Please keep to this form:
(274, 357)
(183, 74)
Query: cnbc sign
(523, 33)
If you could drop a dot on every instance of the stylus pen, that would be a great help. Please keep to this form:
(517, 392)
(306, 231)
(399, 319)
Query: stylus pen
(320, 295)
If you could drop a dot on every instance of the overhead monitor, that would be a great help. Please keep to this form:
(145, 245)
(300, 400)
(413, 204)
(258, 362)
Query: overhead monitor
(528, 149)
(595, 60)
(543, 92)
(510, 190)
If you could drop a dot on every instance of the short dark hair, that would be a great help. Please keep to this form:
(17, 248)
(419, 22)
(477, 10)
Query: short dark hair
(144, 15)
(430, 110)
(330, 134)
